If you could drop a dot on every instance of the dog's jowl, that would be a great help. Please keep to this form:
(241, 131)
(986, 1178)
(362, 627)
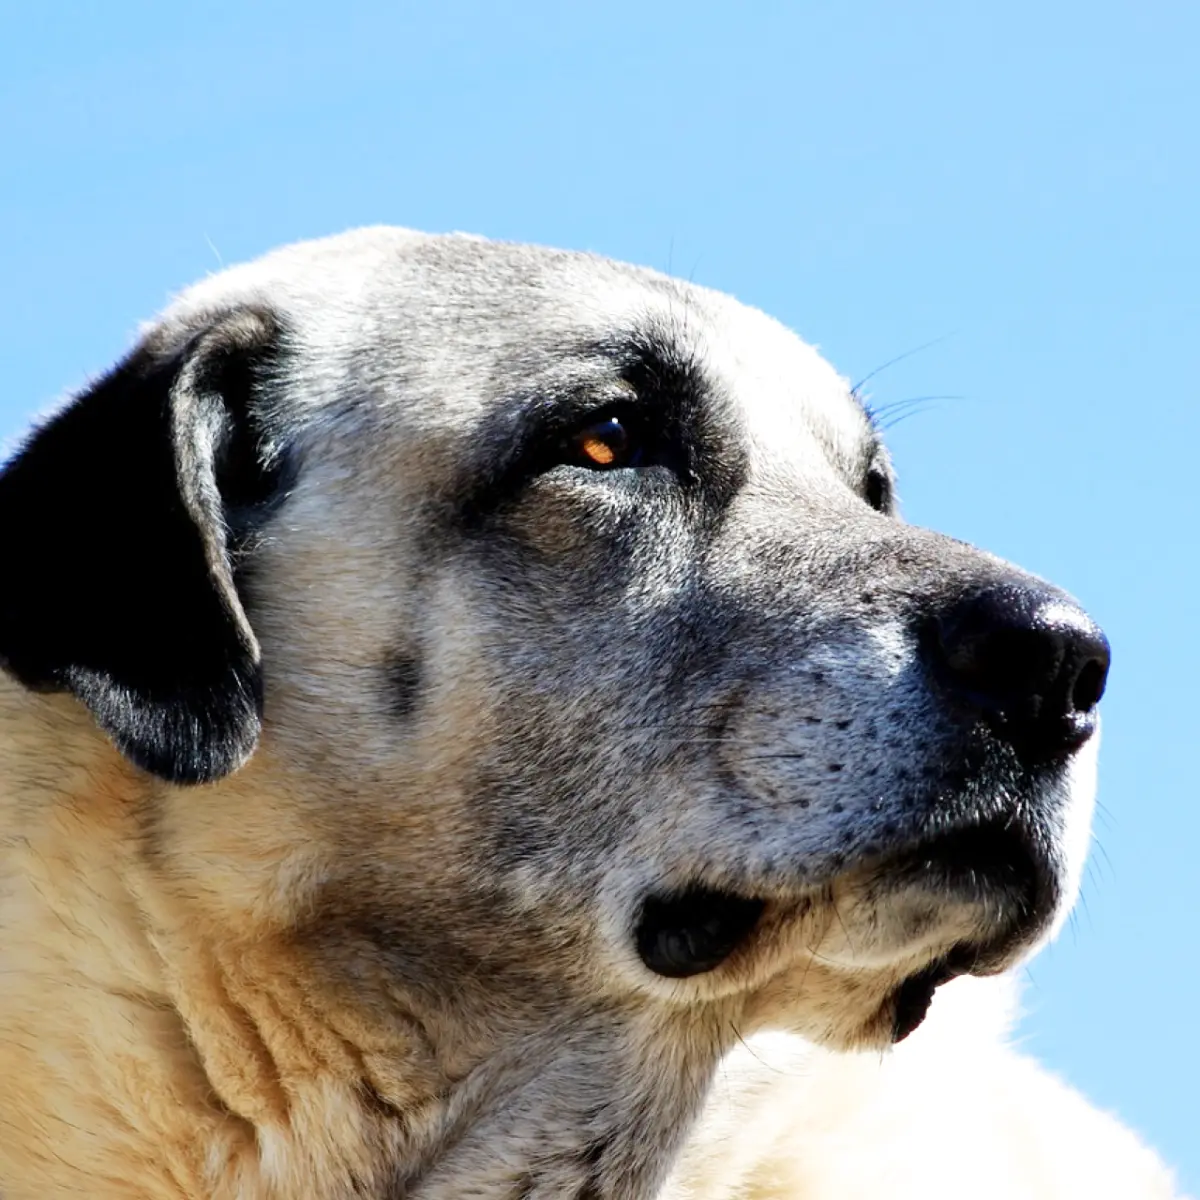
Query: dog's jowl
(474, 724)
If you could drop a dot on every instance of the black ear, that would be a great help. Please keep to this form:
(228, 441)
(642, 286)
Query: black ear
(120, 522)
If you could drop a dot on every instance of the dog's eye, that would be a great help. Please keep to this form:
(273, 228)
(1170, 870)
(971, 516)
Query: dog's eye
(878, 490)
(606, 445)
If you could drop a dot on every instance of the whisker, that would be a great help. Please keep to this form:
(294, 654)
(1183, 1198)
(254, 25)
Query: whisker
(902, 411)
(762, 1062)
(838, 913)
(912, 412)
(1108, 862)
(1082, 906)
(891, 362)
(886, 410)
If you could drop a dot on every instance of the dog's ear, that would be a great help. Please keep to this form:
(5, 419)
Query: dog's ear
(120, 522)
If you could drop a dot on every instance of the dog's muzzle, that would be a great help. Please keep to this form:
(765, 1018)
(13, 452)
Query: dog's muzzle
(1017, 664)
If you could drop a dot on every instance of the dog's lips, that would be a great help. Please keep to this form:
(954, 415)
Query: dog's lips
(999, 865)
(910, 1002)
(994, 875)
(870, 943)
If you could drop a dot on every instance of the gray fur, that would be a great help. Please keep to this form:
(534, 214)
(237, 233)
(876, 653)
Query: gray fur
(507, 707)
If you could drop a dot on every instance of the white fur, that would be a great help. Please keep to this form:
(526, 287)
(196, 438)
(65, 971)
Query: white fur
(954, 1113)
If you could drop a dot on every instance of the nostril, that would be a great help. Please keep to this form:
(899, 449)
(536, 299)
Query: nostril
(1089, 685)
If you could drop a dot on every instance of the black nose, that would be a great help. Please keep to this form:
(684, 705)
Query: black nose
(1029, 661)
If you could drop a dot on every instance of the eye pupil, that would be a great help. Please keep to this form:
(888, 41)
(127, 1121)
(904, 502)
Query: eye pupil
(605, 443)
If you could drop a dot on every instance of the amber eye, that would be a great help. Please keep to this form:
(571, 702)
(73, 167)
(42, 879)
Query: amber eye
(606, 445)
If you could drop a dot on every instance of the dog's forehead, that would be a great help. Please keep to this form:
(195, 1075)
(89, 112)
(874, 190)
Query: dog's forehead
(468, 323)
(795, 408)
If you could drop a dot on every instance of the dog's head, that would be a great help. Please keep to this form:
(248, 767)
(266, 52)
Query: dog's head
(552, 649)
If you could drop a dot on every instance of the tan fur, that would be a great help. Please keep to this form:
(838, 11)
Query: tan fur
(195, 1047)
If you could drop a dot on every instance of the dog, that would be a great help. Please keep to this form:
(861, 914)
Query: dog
(474, 725)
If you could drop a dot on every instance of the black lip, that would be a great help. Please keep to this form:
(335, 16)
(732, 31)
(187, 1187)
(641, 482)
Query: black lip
(690, 932)
(911, 1000)
(995, 859)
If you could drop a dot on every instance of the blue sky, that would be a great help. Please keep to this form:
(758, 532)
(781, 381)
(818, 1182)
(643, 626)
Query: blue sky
(1019, 180)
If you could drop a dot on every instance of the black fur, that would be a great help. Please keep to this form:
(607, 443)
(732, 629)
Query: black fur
(403, 673)
(120, 520)
(683, 420)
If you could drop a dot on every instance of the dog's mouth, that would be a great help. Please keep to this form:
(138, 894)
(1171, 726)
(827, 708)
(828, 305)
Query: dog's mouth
(974, 896)
(997, 861)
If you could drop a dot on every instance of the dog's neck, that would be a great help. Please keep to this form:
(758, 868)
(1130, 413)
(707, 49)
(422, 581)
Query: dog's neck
(147, 1049)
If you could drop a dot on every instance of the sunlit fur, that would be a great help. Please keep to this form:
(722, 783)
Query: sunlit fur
(392, 954)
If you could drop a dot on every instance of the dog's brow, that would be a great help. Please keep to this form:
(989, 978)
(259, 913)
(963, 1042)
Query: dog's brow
(656, 360)
(645, 367)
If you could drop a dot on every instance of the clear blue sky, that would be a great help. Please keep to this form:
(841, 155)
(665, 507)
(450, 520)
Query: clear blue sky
(1021, 177)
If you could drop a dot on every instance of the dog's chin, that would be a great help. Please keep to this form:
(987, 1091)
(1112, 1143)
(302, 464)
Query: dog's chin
(967, 902)
(857, 962)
